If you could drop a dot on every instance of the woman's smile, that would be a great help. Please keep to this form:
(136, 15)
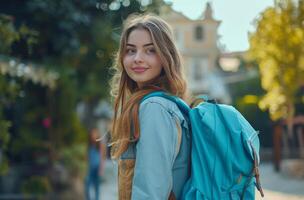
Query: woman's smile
(139, 69)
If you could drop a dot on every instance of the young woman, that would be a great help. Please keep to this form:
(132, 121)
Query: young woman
(150, 138)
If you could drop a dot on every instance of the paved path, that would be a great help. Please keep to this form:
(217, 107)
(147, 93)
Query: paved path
(276, 186)
(109, 187)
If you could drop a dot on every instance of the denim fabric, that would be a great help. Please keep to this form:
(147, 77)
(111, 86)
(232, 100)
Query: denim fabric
(162, 157)
(92, 184)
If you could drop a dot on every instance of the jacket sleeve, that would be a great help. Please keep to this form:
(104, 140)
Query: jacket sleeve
(155, 153)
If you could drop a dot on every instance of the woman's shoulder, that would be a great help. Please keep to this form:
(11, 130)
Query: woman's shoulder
(157, 104)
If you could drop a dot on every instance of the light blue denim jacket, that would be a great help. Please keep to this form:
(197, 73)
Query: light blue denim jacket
(162, 155)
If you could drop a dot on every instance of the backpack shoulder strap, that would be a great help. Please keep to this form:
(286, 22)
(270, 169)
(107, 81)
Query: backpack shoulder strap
(178, 101)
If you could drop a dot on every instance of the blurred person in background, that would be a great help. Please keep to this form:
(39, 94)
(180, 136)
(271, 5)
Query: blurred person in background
(96, 157)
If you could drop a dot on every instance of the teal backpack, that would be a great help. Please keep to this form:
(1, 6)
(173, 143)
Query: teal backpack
(224, 152)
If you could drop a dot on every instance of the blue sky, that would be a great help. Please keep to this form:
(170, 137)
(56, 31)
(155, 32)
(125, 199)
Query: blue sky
(237, 18)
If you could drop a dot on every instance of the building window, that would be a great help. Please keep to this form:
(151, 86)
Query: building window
(198, 72)
(178, 38)
(199, 33)
(199, 69)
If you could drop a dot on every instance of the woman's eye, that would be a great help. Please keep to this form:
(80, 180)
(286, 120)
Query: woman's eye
(151, 51)
(130, 51)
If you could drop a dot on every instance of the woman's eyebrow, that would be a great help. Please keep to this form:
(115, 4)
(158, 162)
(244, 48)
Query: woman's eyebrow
(145, 45)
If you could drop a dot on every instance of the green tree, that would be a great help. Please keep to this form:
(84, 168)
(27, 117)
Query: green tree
(278, 47)
(79, 35)
(77, 39)
(8, 35)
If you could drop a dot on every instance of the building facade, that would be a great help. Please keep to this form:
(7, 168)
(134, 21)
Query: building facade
(197, 41)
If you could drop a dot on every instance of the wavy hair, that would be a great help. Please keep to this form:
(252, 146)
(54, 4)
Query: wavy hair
(127, 96)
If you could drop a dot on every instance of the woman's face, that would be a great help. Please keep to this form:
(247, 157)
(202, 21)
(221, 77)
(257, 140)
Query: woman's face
(140, 60)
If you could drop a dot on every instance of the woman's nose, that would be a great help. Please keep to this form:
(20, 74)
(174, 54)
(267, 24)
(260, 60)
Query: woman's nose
(138, 57)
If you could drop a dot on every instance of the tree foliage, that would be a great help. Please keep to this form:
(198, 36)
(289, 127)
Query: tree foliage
(81, 35)
(278, 47)
(75, 38)
(9, 91)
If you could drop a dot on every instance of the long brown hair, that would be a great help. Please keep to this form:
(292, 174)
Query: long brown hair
(125, 126)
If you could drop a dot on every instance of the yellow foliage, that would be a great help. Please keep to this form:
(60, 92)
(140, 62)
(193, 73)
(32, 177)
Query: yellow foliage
(278, 47)
(250, 99)
(277, 108)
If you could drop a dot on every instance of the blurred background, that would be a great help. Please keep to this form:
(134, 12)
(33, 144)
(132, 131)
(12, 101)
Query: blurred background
(55, 59)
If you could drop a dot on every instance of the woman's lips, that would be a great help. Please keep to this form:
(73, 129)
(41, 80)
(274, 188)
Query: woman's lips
(139, 69)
